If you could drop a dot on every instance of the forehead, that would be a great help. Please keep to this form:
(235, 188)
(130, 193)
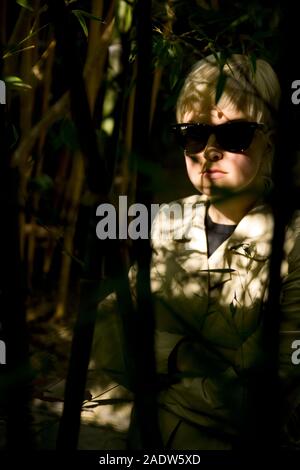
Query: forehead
(217, 114)
(197, 103)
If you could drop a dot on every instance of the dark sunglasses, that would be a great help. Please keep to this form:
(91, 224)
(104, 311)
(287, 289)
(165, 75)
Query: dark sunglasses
(233, 136)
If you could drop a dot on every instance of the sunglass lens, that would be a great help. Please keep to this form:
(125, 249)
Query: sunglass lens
(194, 145)
(193, 138)
(236, 137)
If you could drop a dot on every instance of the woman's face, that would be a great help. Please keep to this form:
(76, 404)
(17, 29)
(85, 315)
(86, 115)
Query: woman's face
(213, 170)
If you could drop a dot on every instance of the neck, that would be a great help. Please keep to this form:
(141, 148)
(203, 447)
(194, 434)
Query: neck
(230, 209)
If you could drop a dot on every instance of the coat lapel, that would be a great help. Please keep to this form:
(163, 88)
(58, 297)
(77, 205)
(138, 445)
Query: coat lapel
(251, 241)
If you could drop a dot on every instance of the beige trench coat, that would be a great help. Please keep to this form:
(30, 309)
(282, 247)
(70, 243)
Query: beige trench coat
(210, 310)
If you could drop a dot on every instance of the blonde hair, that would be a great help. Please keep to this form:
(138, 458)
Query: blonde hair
(255, 91)
(251, 88)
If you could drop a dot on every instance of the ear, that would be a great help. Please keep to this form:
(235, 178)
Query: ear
(270, 140)
(266, 162)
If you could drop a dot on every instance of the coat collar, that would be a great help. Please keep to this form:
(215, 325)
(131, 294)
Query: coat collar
(253, 235)
(252, 238)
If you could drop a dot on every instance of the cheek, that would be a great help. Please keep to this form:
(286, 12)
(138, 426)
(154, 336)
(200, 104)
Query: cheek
(255, 157)
(191, 167)
(246, 166)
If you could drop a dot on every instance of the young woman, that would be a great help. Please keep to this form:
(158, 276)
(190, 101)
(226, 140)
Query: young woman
(210, 263)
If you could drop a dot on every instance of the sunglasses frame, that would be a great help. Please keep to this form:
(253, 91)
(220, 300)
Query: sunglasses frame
(181, 130)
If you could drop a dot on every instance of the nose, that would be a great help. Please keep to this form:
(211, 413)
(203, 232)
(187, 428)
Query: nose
(212, 152)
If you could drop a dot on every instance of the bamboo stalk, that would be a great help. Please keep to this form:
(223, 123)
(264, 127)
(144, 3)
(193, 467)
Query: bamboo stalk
(57, 109)
(19, 26)
(98, 34)
(128, 170)
(26, 111)
(3, 22)
(93, 39)
(48, 55)
(11, 63)
(27, 143)
(146, 384)
(59, 200)
(268, 392)
(167, 31)
(26, 107)
(155, 89)
(76, 180)
(93, 72)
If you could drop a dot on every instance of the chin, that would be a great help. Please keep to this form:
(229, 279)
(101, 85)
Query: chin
(217, 192)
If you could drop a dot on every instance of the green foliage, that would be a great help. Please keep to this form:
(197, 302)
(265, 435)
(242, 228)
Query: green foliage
(221, 58)
(124, 16)
(42, 183)
(186, 31)
(81, 15)
(25, 4)
(82, 21)
(236, 26)
(16, 83)
(64, 136)
(168, 53)
(13, 49)
(68, 135)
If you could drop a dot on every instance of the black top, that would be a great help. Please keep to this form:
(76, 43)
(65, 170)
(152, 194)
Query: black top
(216, 234)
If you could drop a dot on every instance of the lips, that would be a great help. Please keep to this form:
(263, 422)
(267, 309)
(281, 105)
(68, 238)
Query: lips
(213, 173)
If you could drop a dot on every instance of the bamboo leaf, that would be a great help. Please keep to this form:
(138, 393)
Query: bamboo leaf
(24, 4)
(17, 83)
(33, 33)
(81, 15)
(220, 86)
(107, 401)
(88, 15)
(14, 51)
(124, 16)
(81, 21)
